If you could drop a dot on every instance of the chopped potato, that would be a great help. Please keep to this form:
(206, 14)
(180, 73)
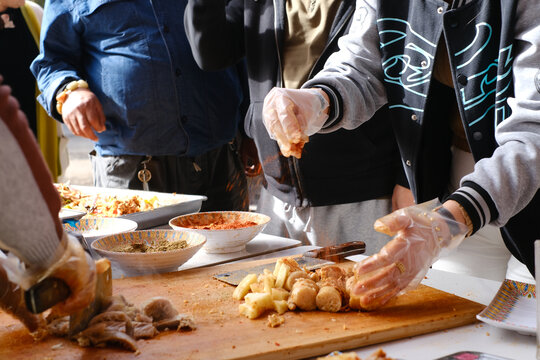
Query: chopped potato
(281, 306)
(279, 294)
(244, 286)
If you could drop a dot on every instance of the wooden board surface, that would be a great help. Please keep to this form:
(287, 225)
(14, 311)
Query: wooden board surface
(223, 334)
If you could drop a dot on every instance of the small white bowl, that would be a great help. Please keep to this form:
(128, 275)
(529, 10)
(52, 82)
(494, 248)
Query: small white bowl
(93, 228)
(149, 263)
(221, 241)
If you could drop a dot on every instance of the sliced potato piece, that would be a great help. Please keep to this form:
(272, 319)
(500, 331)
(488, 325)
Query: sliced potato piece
(280, 294)
(244, 286)
(260, 300)
(281, 306)
(250, 311)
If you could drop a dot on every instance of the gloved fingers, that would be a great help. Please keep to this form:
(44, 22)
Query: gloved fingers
(393, 222)
(77, 269)
(12, 301)
(82, 287)
(393, 250)
(288, 116)
(377, 297)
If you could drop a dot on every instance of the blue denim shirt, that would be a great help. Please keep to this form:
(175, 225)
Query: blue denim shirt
(137, 60)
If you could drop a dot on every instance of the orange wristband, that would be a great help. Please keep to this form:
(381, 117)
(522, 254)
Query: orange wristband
(62, 97)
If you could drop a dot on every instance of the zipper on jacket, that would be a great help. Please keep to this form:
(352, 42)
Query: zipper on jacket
(280, 84)
(280, 70)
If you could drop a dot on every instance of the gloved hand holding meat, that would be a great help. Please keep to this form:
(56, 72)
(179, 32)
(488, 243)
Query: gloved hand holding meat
(420, 233)
(30, 230)
(291, 116)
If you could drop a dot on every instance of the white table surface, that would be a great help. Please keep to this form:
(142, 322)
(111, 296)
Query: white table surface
(261, 244)
(478, 337)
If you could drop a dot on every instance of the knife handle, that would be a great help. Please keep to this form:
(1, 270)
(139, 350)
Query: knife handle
(46, 294)
(337, 253)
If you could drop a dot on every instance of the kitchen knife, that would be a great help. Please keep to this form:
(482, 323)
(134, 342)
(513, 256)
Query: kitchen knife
(311, 260)
(79, 321)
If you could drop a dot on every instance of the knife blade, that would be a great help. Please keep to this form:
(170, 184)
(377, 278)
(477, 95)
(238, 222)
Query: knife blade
(79, 321)
(311, 260)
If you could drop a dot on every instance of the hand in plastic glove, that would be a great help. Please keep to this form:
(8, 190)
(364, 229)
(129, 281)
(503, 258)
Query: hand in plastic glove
(12, 302)
(78, 271)
(291, 116)
(421, 231)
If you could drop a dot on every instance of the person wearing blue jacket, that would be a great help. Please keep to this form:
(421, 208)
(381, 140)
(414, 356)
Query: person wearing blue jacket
(121, 73)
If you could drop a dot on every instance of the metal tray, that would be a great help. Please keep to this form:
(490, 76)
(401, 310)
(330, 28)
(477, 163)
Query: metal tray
(174, 204)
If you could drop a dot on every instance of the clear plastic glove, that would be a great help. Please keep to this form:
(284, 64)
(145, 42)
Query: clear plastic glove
(78, 271)
(72, 265)
(420, 233)
(291, 116)
(12, 302)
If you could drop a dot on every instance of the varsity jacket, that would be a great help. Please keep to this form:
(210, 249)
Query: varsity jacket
(336, 168)
(493, 48)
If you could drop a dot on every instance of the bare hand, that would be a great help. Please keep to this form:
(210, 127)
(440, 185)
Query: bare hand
(401, 198)
(82, 113)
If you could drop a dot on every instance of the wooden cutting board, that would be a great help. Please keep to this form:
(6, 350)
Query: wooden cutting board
(223, 334)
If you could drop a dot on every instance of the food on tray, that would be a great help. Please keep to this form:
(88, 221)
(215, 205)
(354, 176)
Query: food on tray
(122, 323)
(290, 287)
(160, 245)
(104, 205)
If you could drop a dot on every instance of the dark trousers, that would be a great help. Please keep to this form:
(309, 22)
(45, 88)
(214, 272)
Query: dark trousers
(217, 174)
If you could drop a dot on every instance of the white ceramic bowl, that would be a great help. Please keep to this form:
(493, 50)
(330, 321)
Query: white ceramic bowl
(152, 262)
(94, 228)
(220, 241)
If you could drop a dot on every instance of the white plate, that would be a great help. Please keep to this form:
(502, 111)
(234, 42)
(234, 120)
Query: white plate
(95, 228)
(70, 214)
(513, 308)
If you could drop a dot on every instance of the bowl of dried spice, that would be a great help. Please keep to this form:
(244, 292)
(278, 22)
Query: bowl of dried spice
(149, 251)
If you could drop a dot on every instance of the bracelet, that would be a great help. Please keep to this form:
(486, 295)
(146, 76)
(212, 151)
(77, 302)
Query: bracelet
(71, 86)
(468, 221)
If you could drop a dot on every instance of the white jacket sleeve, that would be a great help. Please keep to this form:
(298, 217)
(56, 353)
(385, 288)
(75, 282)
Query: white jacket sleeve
(511, 175)
(355, 71)
(29, 224)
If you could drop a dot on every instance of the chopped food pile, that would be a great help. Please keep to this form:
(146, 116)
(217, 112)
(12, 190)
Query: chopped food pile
(121, 323)
(104, 205)
(290, 287)
(159, 246)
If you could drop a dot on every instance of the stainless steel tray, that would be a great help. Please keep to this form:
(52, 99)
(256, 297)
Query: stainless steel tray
(173, 204)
